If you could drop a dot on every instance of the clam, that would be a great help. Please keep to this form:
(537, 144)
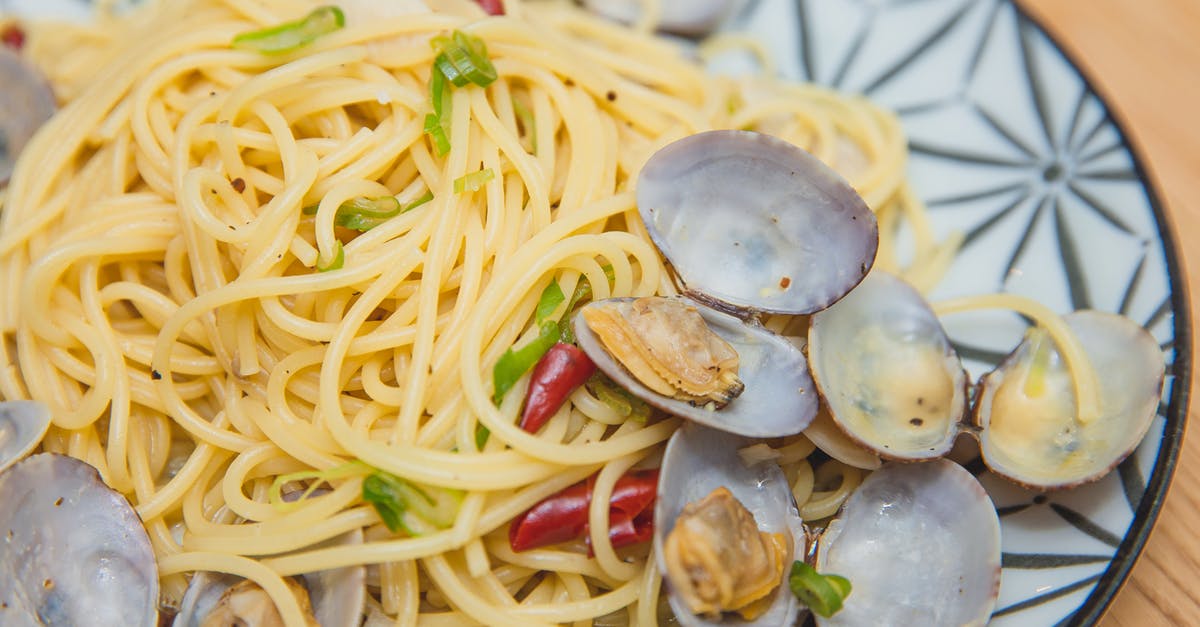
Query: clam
(334, 597)
(1029, 431)
(23, 424)
(887, 372)
(777, 396)
(706, 493)
(73, 551)
(26, 102)
(920, 544)
(752, 223)
(684, 17)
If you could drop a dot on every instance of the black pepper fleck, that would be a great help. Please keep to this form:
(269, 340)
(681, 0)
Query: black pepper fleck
(238, 185)
(155, 375)
(611, 95)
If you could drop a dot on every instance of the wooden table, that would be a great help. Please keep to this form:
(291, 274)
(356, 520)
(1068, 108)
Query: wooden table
(1144, 57)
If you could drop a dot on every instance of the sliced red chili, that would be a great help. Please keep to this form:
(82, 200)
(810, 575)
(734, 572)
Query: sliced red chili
(564, 516)
(492, 7)
(562, 369)
(13, 37)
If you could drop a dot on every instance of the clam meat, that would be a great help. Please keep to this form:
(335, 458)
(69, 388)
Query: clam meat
(699, 363)
(72, 550)
(887, 372)
(1026, 409)
(666, 344)
(245, 603)
(720, 561)
(725, 532)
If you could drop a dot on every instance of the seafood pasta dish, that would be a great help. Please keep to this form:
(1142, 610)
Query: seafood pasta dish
(444, 312)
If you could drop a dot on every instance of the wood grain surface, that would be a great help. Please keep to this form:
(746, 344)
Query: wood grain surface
(1144, 58)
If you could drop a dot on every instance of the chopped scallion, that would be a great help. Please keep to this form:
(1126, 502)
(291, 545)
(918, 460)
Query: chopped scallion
(463, 59)
(516, 362)
(528, 124)
(550, 299)
(473, 181)
(316, 478)
(292, 35)
(823, 594)
(481, 436)
(403, 505)
(339, 259)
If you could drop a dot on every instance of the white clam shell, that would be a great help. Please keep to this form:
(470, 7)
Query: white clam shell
(23, 424)
(26, 102)
(887, 371)
(920, 544)
(753, 223)
(699, 460)
(72, 550)
(1036, 441)
(337, 595)
(685, 17)
(779, 398)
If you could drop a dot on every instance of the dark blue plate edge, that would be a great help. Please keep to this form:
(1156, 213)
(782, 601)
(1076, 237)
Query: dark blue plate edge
(1138, 533)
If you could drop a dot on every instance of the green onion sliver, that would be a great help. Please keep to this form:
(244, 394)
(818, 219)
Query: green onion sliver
(463, 59)
(474, 181)
(339, 259)
(290, 36)
(823, 594)
(516, 362)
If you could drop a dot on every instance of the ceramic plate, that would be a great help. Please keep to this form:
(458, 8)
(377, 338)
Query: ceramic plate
(1012, 146)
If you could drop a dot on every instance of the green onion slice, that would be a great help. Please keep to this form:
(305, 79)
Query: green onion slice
(463, 59)
(482, 434)
(550, 299)
(617, 398)
(293, 35)
(823, 594)
(473, 181)
(316, 478)
(438, 133)
(403, 505)
(339, 259)
(515, 362)
(528, 124)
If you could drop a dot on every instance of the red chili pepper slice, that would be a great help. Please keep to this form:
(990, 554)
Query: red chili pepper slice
(562, 369)
(492, 7)
(13, 37)
(564, 516)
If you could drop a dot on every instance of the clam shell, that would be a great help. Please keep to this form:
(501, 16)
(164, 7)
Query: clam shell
(684, 17)
(920, 544)
(337, 595)
(26, 102)
(751, 222)
(23, 424)
(779, 397)
(1036, 441)
(887, 372)
(699, 460)
(73, 551)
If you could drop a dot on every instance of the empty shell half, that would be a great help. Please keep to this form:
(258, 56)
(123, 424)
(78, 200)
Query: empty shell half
(75, 552)
(1029, 430)
(646, 343)
(887, 371)
(752, 223)
(22, 426)
(920, 544)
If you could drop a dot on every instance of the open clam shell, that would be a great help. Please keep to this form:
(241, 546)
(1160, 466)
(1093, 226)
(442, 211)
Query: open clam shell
(1028, 430)
(699, 460)
(920, 544)
(887, 371)
(73, 551)
(23, 424)
(751, 222)
(778, 399)
(337, 595)
(684, 17)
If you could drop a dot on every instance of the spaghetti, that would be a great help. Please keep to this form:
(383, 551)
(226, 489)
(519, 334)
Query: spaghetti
(199, 334)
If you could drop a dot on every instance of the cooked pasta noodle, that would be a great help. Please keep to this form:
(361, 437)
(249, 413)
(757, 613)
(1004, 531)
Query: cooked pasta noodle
(162, 287)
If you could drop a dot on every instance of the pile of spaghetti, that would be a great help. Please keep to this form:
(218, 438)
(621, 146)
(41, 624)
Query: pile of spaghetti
(257, 261)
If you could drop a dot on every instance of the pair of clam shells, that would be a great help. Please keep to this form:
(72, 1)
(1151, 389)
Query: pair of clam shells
(751, 224)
